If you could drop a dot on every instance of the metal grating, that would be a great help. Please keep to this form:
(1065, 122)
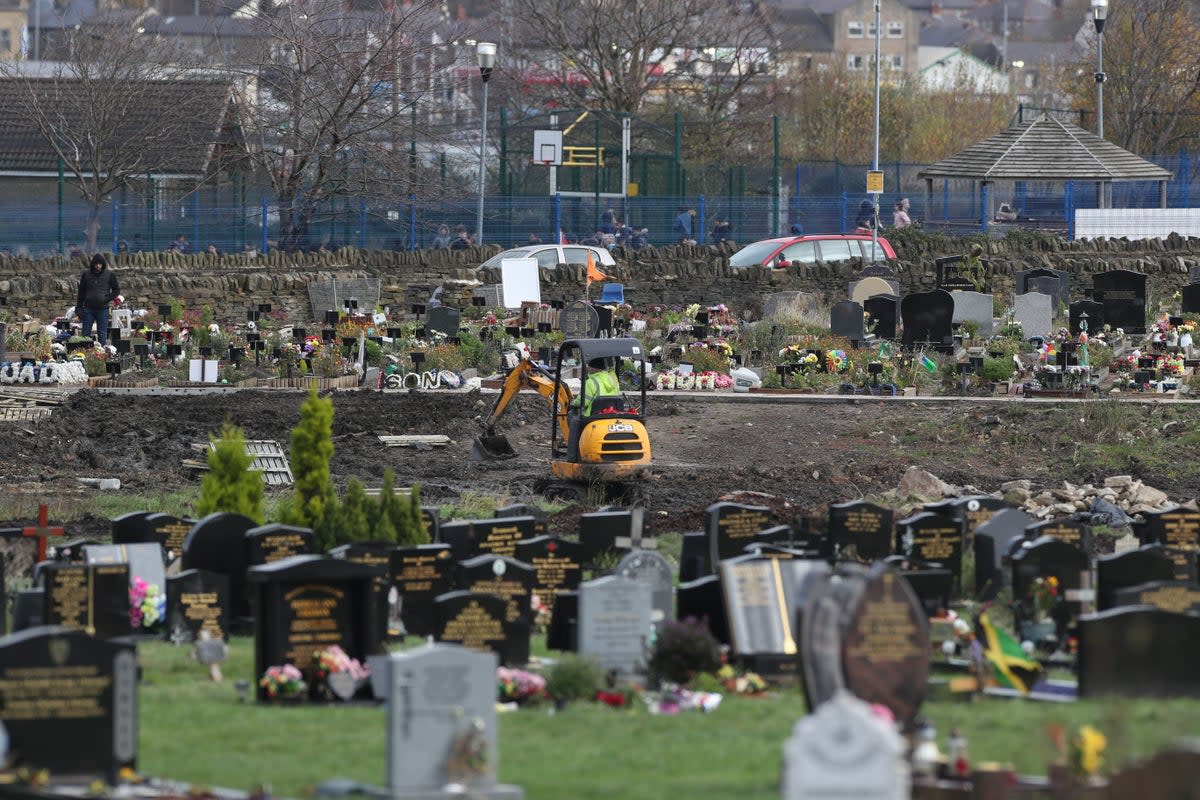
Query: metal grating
(269, 459)
(23, 414)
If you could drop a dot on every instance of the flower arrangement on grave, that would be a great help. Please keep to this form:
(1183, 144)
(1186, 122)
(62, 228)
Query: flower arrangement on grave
(1126, 363)
(1170, 364)
(1044, 595)
(520, 687)
(147, 604)
(285, 681)
(749, 683)
(334, 659)
(1087, 751)
(619, 697)
(541, 612)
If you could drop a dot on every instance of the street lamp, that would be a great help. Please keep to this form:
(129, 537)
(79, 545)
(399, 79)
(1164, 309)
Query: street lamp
(1099, 14)
(875, 158)
(485, 55)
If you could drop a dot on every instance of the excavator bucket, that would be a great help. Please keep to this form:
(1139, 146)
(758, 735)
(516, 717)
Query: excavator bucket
(492, 448)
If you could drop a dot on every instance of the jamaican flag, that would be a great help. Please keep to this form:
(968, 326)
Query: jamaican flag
(1011, 667)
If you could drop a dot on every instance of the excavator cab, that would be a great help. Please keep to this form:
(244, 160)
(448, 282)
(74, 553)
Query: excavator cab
(598, 435)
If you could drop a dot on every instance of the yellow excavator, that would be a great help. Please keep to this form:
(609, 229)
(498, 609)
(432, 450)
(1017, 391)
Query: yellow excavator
(595, 438)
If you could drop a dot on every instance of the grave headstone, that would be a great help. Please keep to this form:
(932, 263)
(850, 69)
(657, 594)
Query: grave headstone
(145, 560)
(693, 557)
(459, 536)
(933, 586)
(1095, 316)
(760, 606)
(441, 710)
(197, 600)
(1137, 651)
(974, 307)
(472, 620)
(731, 526)
(1178, 531)
(217, 543)
(579, 320)
(69, 702)
(378, 555)
(305, 604)
(885, 312)
(861, 529)
(1122, 292)
(599, 531)
(420, 574)
(525, 510)
(974, 511)
(443, 320)
(431, 516)
(131, 528)
(561, 632)
(614, 622)
(1042, 279)
(557, 565)
(927, 317)
(704, 601)
(1069, 530)
(1045, 558)
(267, 544)
(870, 286)
(1168, 595)
(1131, 568)
(1034, 312)
(846, 320)
(885, 648)
(993, 539)
(93, 599)
(950, 277)
(656, 571)
(1190, 298)
(511, 581)
(826, 603)
(500, 536)
(934, 538)
(169, 531)
(843, 750)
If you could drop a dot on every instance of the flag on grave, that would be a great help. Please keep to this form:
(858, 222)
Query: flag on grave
(1012, 667)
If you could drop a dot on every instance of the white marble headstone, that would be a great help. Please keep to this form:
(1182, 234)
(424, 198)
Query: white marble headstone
(974, 307)
(614, 622)
(1035, 312)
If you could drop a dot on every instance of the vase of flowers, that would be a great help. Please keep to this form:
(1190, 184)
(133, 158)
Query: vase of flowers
(284, 683)
(337, 675)
(147, 606)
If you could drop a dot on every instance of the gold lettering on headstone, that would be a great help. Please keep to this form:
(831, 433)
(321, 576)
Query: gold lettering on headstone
(37, 693)
(173, 535)
(278, 546)
(70, 598)
(886, 632)
(742, 523)
(936, 544)
(1179, 599)
(501, 540)
(203, 607)
(314, 624)
(551, 575)
(1068, 533)
(474, 627)
(509, 591)
(417, 573)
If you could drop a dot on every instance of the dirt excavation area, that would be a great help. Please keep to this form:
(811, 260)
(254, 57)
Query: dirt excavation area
(804, 454)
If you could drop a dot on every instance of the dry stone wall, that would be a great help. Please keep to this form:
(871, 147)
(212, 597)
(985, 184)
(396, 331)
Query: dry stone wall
(670, 275)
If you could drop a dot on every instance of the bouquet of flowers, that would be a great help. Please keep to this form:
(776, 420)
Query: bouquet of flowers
(285, 681)
(334, 659)
(147, 604)
(1044, 594)
(518, 686)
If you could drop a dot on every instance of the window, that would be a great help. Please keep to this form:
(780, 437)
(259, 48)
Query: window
(895, 30)
(871, 29)
(854, 30)
(548, 258)
(894, 62)
(800, 253)
(838, 250)
(855, 61)
(5, 41)
(880, 255)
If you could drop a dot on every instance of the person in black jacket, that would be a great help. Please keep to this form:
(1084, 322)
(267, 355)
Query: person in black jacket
(97, 288)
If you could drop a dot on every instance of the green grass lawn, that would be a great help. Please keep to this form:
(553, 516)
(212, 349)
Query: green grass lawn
(195, 730)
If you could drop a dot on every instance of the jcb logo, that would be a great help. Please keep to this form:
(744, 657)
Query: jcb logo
(620, 427)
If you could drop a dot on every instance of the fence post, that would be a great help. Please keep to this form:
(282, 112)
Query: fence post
(362, 223)
(150, 216)
(412, 222)
(196, 246)
(796, 197)
(1069, 209)
(557, 218)
(701, 221)
(263, 219)
(116, 225)
(945, 200)
(842, 212)
(983, 206)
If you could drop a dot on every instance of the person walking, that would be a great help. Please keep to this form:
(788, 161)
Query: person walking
(684, 226)
(900, 218)
(97, 288)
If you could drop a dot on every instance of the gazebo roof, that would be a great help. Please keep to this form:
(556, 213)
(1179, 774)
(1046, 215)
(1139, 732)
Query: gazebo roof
(1046, 149)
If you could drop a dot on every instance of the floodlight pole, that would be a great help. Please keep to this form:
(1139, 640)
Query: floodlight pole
(875, 157)
(485, 54)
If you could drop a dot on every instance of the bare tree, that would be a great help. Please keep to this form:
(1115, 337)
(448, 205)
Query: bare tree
(336, 97)
(118, 106)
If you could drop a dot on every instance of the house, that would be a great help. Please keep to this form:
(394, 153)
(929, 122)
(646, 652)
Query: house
(813, 33)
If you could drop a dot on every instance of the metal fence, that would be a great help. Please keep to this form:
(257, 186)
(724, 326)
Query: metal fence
(820, 197)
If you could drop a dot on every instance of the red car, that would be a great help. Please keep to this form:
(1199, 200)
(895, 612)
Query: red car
(788, 250)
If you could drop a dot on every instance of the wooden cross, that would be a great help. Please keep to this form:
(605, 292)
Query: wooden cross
(43, 530)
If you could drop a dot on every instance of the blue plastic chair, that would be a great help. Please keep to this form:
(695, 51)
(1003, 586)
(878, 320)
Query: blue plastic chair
(613, 293)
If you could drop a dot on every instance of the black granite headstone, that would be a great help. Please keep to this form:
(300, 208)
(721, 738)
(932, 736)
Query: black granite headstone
(93, 599)
(28, 609)
(443, 320)
(275, 542)
(861, 530)
(599, 531)
(846, 320)
(1178, 530)
(927, 317)
(579, 320)
(168, 530)
(525, 510)
(932, 538)
(1122, 292)
(1045, 558)
(197, 600)
(993, 540)
(1043, 279)
(431, 516)
(420, 574)
(561, 633)
(1181, 598)
(693, 557)
(703, 600)
(217, 543)
(1069, 530)
(557, 565)
(477, 621)
(459, 536)
(1095, 316)
(885, 313)
(1130, 568)
(378, 555)
(1190, 294)
(131, 528)
(732, 526)
(1137, 651)
(69, 702)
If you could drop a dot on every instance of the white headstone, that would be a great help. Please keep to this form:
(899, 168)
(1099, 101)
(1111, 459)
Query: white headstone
(145, 560)
(844, 750)
(441, 720)
(974, 307)
(520, 281)
(1035, 312)
(614, 622)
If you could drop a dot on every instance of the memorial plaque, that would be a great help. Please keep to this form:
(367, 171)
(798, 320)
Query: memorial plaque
(305, 604)
(1136, 651)
(557, 566)
(579, 320)
(420, 574)
(927, 318)
(861, 529)
(500, 536)
(145, 560)
(1122, 292)
(1069, 530)
(732, 526)
(197, 600)
(1178, 530)
(443, 320)
(655, 571)
(1180, 598)
(704, 601)
(69, 702)
(614, 622)
(473, 620)
(1130, 568)
(267, 544)
(885, 650)
(217, 543)
(933, 538)
(502, 577)
(93, 599)
(169, 531)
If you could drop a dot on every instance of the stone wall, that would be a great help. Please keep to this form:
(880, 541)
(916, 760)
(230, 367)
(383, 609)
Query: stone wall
(671, 275)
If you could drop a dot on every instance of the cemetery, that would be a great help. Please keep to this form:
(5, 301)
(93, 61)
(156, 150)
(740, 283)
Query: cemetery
(934, 541)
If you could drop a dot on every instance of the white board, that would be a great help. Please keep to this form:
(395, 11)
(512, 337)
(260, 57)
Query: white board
(520, 282)
(201, 370)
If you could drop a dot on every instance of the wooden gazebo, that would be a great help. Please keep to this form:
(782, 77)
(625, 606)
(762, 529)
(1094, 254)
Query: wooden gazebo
(1045, 149)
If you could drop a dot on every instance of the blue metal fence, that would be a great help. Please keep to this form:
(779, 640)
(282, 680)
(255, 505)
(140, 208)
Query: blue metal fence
(821, 197)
